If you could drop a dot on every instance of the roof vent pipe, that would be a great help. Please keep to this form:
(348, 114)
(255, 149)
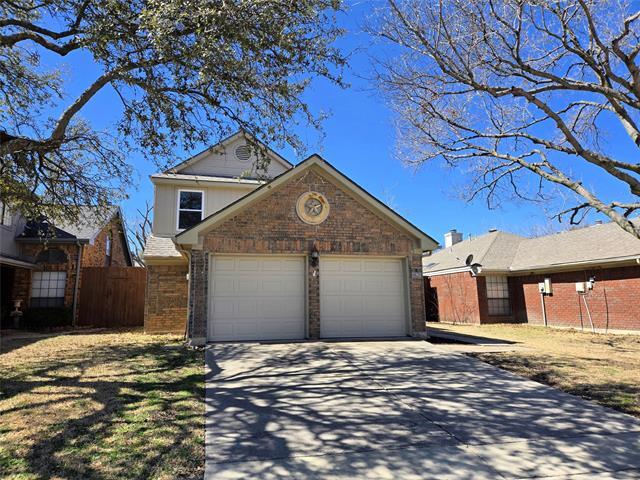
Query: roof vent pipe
(452, 237)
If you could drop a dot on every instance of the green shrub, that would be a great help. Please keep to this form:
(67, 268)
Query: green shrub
(44, 318)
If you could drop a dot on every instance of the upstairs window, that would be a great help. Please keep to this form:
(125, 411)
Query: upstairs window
(190, 208)
(5, 215)
(498, 295)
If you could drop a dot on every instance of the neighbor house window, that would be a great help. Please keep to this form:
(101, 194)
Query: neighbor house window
(47, 289)
(190, 208)
(107, 259)
(498, 295)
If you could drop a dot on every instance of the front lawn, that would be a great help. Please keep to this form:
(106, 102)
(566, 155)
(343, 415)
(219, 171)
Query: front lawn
(104, 405)
(602, 368)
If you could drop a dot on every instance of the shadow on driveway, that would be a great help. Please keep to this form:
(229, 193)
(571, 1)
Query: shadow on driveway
(397, 410)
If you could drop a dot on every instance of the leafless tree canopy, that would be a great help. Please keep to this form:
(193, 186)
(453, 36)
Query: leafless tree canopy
(140, 232)
(511, 88)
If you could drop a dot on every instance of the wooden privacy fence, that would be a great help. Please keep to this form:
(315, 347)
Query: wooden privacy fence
(112, 296)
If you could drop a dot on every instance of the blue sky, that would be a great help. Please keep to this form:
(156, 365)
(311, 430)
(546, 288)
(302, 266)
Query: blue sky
(359, 139)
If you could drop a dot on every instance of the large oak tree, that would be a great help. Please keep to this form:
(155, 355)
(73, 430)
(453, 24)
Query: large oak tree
(511, 90)
(184, 71)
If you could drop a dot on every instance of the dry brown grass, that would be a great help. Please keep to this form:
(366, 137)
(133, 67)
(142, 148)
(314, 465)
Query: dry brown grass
(103, 405)
(602, 368)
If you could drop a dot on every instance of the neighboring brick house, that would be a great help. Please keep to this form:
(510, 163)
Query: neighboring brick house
(585, 278)
(309, 254)
(43, 269)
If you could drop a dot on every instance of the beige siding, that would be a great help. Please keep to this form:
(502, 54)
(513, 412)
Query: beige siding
(166, 203)
(8, 245)
(223, 162)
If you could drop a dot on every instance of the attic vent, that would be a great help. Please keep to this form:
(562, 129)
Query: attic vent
(243, 153)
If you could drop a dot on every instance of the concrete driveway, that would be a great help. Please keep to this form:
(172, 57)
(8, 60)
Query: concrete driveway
(399, 410)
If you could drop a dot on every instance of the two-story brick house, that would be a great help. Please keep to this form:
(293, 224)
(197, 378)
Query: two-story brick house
(305, 254)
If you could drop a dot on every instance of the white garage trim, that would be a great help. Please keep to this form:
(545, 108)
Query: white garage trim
(257, 297)
(363, 296)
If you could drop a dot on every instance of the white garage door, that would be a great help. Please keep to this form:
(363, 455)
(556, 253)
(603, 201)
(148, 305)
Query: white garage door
(257, 298)
(362, 297)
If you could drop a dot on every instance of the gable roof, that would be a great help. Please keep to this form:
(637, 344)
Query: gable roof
(494, 251)
(91, 221)
(222, 143)
(190, 236)
(505, 252)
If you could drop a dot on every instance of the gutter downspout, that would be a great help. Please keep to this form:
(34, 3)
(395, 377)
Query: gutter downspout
(74, 322)
(544, 310)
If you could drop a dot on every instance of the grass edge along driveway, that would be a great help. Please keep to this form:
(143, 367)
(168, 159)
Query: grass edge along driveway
(101, 405)
(604, 368)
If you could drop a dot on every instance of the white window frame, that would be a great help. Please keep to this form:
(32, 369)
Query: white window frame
(189, 190)
(6, 215)
(108, 245)
(37, 281)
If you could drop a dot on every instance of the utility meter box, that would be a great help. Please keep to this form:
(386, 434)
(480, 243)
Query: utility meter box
(545, 287)
(581, 287)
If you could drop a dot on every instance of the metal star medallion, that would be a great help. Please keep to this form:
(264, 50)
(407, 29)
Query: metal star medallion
(313, 207)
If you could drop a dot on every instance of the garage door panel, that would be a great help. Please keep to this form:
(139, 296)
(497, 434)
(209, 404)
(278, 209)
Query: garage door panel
(330, 288)
(362, 297)
(223, 306)
(246, 309)
(352, 306)
(350, 266)
(248, 264)
(352, 285)
(374, 284)
(257, 298)
(225, 286)
(374, 266)
(281, 307)
(388, 306)
(275, 285)
(291, 265)
(330, 265)
(244, 286)
(227, 264)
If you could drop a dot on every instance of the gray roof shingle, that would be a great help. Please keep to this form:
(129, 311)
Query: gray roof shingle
(91, 221)
(500, 251)
(584, 245)
(160, 247)
(494, 251)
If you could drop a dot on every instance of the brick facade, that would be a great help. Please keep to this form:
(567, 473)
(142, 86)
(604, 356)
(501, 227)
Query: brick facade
(613, 303)
(198, 294)
(458, 297)
(96, 255)
(272, 226)
(166, 299)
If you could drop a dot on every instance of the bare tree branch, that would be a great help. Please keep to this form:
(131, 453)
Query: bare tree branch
(507, 89)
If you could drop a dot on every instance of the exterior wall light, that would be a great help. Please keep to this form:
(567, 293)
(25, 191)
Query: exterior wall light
(315, 256)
